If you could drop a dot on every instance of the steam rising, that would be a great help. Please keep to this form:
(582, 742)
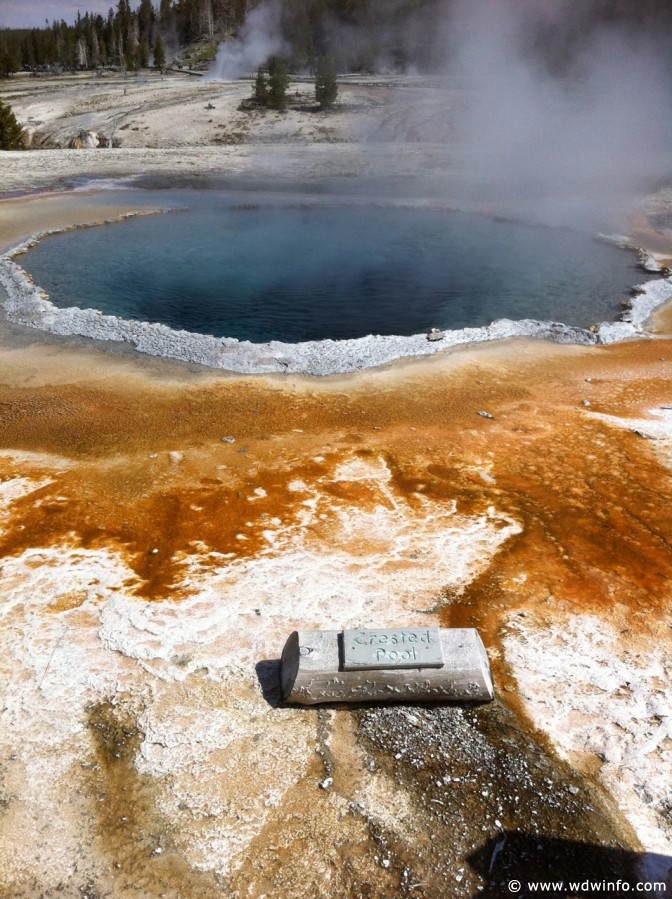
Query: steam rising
(564, 129)
(258, 39)
(553, 110)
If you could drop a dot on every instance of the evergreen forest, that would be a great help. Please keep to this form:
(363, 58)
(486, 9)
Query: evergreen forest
(360, 35)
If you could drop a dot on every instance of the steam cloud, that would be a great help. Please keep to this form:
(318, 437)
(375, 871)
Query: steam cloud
(258, 39)
(549, 109)
(561, 122)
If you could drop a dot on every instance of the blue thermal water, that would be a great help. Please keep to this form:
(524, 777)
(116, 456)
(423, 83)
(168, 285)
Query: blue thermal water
(276, 270)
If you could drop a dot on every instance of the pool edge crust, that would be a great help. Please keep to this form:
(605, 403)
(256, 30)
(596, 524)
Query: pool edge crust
(28, 305)
(312, 673)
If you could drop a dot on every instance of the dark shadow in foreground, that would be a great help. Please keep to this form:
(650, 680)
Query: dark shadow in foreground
(268, 675)
(517, 864)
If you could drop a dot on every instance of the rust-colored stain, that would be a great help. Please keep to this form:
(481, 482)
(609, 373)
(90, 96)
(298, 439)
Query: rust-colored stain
(139, 465)
(156, 516)
(594, 501)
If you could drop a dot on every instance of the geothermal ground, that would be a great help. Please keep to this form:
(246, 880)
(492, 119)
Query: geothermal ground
(164, 527)
(165, 128)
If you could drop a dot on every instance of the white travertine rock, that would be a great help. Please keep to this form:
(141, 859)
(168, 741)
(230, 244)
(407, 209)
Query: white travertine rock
(595, 693)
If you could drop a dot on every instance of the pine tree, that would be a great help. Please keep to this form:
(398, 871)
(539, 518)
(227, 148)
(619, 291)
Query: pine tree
(143, 57)
(95, 49)
(81, 54)
(132, 46)
(278, 81)
(9, 63)
(165, 11)
(11, 133)
(145, 17)
(326, 88)
(261, 89)
(159, 54)
(207, 19)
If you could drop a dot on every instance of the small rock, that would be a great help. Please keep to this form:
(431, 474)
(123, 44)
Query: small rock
(385, 863)
(435, 334)
(589, 380)
(157, 851)
(153, 455)
(153, 552)
(485, 415)
(228, 439)
(85, 140)
(573, 790)
(326, 783)
(175, 456)
(585, 402)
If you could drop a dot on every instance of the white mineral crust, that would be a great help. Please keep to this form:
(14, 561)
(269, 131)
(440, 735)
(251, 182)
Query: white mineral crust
(75, 634)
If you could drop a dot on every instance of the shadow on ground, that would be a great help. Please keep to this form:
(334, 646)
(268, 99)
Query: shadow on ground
(525, 864)
(268, 675)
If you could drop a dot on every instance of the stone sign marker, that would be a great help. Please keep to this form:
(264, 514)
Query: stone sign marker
(392, 648)
(441, 664)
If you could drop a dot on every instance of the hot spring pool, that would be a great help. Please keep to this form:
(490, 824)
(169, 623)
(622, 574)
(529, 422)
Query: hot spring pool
(265, 268)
